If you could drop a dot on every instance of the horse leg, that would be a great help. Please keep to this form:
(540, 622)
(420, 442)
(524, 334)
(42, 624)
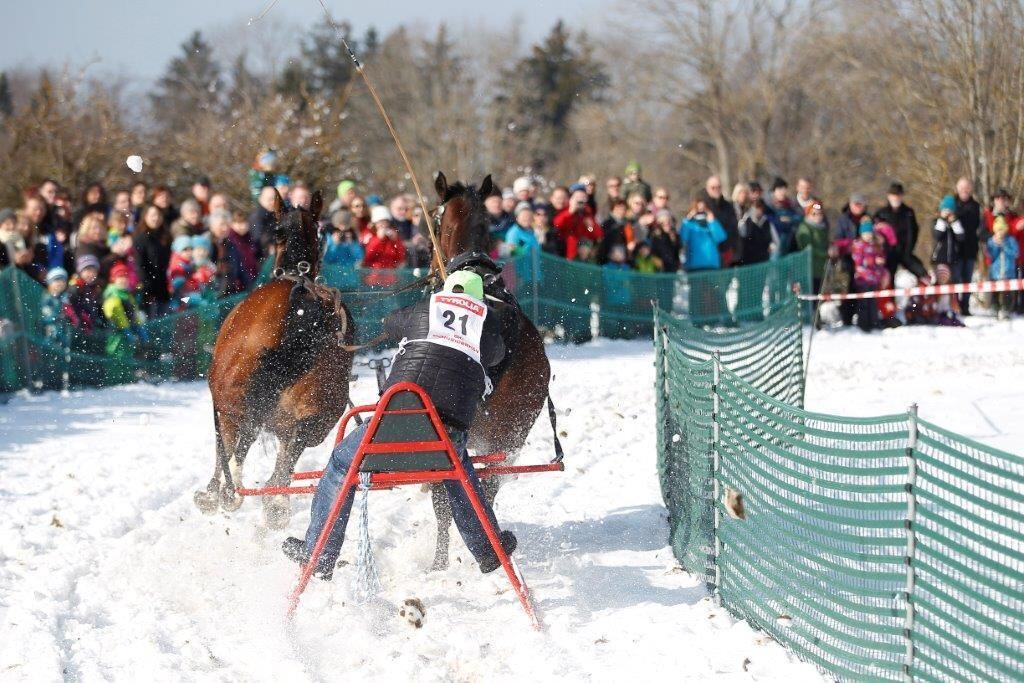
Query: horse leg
(443, 512)
(209, 499)
(242, 437)
(277, 509)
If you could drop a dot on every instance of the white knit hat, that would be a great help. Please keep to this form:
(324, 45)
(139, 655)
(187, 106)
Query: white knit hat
(380, 213)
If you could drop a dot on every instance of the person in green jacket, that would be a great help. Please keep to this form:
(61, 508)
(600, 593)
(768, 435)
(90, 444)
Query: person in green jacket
(813, 232)
(122, 311)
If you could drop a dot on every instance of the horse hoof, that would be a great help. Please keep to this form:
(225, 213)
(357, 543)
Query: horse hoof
(229, 500)
(277, 512)
(207, 501)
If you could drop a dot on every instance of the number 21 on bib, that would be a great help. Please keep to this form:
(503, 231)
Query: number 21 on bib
(457, 322)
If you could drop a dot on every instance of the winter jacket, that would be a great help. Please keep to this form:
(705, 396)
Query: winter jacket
(817, 238)
(904, 223)
(453, 380)
(152, 258)
(701, 239)
(615, 280)
(725, 214)
(665, 247)
(868, 264)
(1016, 224)
(343, 253)
(646, 264)
(52, 312)
(846, 232)
(616, 234)
(498, 224)
(121, 309)
(757, 239)
(384, 253)
(521, 240)
(969, 215)
(786, 216)
(573, 227)
(1004, 258)
(178, 274)
(86, 305)
(949, 240)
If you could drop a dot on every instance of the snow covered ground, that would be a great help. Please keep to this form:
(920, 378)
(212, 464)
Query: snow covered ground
(107, 570)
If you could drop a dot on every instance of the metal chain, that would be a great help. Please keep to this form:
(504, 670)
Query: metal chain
(367, 583)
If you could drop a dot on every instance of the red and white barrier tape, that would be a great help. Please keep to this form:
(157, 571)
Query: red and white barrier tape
(923, 290)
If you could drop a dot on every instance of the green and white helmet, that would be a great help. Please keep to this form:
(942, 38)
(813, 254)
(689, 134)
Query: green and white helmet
(469, 281)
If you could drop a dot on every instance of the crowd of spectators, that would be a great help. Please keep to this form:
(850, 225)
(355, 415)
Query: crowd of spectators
(114, 258)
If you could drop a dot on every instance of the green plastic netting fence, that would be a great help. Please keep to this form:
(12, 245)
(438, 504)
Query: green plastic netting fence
(878, 548)
(567, 298)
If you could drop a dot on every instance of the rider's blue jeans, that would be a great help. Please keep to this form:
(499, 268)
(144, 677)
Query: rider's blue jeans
(334, 476)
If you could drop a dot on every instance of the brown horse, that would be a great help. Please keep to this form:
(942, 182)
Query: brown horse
(279, 366)
(521, 381)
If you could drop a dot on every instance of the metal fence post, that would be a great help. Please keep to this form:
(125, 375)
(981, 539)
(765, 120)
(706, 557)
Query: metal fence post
(716, 377)
(908, 556)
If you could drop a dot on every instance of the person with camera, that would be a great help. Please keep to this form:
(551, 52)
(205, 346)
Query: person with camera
(576, 222)
(384, 249)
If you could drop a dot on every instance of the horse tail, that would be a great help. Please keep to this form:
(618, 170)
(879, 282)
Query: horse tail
(559, 453)
(308, 328)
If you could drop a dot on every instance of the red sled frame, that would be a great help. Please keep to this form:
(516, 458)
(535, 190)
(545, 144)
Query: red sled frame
(451, 470)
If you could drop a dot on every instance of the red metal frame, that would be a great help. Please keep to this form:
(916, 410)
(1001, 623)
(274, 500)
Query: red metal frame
(385, 480)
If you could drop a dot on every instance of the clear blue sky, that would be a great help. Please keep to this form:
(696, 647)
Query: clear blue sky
(137, 37)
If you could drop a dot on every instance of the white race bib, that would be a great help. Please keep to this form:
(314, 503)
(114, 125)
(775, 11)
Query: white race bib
(457, 321)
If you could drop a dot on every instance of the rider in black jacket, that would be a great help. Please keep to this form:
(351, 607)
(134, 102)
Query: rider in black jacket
(447, 345)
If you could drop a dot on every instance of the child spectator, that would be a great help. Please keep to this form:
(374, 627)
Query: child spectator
(616, 278)
(586, 251)
(948, 235)
(869, 275)
(85, 295)
(180, 271)
(203, 270)
(53, 306)
(122, 312)
(1003, 251)
(644, 260)
(519, 239)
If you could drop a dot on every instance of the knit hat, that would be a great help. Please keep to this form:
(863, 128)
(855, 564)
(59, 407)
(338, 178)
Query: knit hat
(202, 242)
(523, 206)
(1003, 193)
(120, 270)
(282, 179)
(379, 213)
(86, 261)
(55, 274)
(521, 184)
(470, 282)
(181, 243)
(948, 203)
(1000, 226)
(577, 187)
(344, 186)
(633, 167)
(865, 226)
(7, 215)
(374, 200)
(507, 193)
(858, 198)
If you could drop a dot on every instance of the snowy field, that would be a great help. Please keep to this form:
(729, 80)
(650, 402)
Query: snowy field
(107, 570)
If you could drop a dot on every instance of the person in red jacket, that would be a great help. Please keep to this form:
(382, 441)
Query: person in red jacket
(576, 222)
(384, 249)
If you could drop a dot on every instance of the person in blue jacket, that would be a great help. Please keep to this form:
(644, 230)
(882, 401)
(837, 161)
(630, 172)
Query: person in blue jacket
(700, 234)
(519, 238)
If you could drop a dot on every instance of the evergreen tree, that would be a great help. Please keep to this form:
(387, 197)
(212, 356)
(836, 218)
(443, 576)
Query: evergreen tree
(326, 65)
(191, 83)
(6, 103)
(543, 90)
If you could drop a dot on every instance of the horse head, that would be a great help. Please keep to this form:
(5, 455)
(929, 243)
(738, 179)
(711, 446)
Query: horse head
(462, 217)
(297, 236)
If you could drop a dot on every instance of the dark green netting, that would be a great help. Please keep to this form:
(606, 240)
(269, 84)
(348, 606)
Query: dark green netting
(571, 300)
(878, 548)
